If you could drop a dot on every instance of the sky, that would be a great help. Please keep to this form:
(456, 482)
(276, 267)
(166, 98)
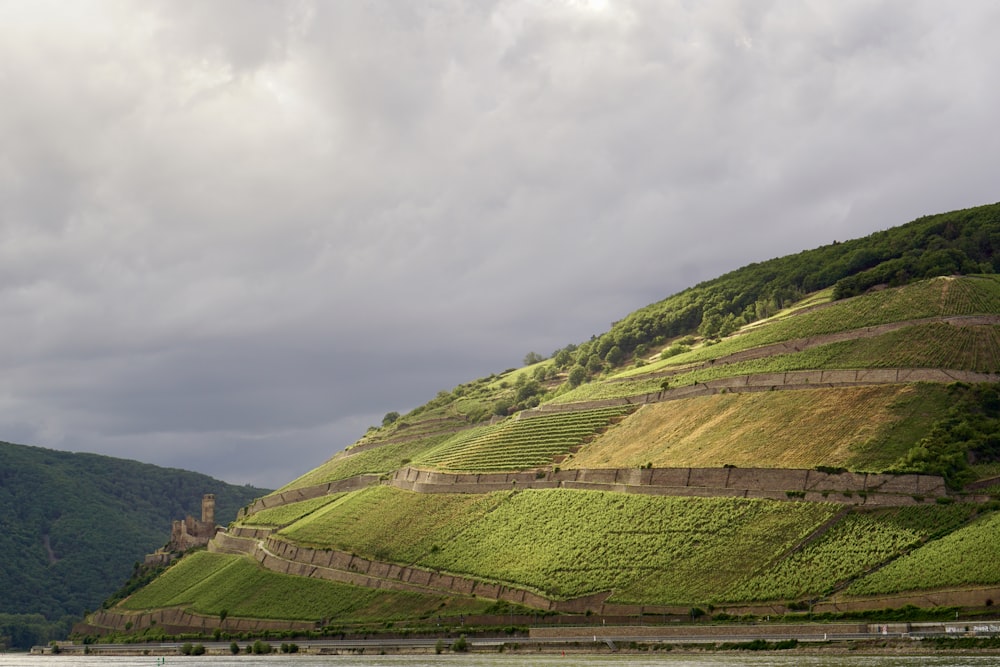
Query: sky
(236, 233)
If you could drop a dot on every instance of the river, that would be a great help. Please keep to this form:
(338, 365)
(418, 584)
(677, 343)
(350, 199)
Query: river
(721, 659)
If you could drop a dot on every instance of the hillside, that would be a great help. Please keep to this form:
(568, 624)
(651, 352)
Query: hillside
(814, 432)
(73, 525)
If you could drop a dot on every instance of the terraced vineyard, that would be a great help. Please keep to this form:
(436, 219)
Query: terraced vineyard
(861, 428)
(968, 556)
(388, 524)
(209, 584)
(287, 514)
(380, 459)
(566, 544)
(516, 444)
(941, 297)
(856, 544)
(932, 345)
(645, 549)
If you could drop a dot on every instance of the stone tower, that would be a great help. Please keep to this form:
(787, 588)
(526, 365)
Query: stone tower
(208, 509)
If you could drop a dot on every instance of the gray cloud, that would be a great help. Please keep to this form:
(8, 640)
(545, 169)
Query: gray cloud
(234, 234)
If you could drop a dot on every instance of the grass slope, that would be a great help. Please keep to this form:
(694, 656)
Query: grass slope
(860, 428)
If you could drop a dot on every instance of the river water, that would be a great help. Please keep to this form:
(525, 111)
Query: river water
(722, 659)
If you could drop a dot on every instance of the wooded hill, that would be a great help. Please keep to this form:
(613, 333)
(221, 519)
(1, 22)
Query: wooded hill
(72, 526)
(817, 432)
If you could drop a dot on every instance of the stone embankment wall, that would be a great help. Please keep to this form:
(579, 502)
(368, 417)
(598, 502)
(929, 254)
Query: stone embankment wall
(770, 483)
(334, 565)
(685, 631)
(979, 597)
(308, 492)
(177, 621)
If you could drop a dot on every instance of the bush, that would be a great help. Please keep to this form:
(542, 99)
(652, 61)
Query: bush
(234, 648)
(577, 376)
(261, 648)
(460, 645)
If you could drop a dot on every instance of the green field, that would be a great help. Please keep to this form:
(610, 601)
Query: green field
(209, 583)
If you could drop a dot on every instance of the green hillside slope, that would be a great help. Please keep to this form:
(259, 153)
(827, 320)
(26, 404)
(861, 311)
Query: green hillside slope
(73, 525)
(811, 432)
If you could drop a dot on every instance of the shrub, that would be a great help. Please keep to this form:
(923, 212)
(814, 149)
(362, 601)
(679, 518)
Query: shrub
(460, 645)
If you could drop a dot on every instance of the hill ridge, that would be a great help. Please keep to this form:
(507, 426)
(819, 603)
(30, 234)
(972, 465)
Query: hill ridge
(697, 453)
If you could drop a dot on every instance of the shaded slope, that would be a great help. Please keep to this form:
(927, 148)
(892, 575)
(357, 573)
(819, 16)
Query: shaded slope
(73, 525)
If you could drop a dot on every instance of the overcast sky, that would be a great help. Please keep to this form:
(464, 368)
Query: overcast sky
(234, 234)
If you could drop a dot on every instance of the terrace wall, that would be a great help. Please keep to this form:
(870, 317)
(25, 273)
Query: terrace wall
(308, 492)
(771, 483)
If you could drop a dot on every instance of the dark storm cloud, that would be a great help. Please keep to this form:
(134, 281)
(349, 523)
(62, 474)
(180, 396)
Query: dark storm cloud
(235, 234)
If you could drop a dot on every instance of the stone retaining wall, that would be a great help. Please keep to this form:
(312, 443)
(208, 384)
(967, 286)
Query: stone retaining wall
(308, 492)
(340, 566)
(770, 483)
(602, 632)
(175, 621)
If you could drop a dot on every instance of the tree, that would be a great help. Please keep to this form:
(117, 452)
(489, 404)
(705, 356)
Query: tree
(532, 358)
(614, 356)
(390, 418)
(595, 364)
(577, 376)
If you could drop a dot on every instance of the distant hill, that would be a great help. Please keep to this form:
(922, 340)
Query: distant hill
(817, 433)
(73, 525)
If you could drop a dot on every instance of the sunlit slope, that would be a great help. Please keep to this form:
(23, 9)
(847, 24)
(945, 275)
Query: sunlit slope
(858, 428)
(878, 357)
(933, 332)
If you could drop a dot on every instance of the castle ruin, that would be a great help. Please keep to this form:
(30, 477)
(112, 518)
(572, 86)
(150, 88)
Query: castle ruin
(187, 533)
